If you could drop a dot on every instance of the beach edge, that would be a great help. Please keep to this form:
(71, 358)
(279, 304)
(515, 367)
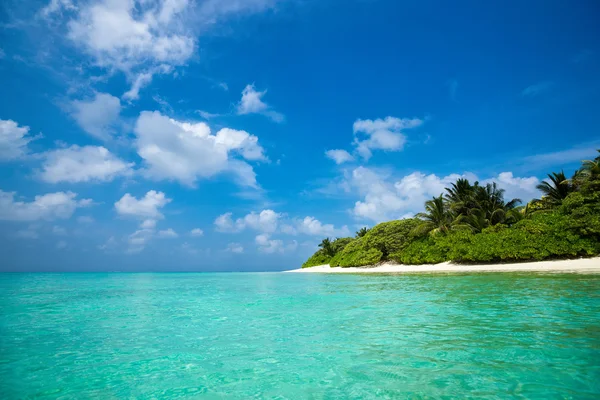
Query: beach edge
(581, 265)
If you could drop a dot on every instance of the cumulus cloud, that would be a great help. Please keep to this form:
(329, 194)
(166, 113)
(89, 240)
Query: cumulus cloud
(196, 232)
(138, 37)
(137, 240)
(146, 208)
(235, 248)
(523, 188)
(148, 224)
(13, 140)
(185, 152)
(382, 134)
(141, 37)
(339, 156)
(31, 232)
(168, 233)
(83, 164)
(314, 227)
(110, 244)
(267, 245)
(59, 230)
(59, 205)
(85, 219)
(265, 221)
(98, 116)
(55, 6)
(251, 103)
(385, 198)
(269, 222)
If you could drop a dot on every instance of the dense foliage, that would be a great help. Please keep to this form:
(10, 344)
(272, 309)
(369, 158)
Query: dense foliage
(474, 223)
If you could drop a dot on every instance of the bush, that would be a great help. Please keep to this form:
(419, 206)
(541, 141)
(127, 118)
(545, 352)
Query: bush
(319, 258)
(390, 237)
(355, 254)
(421, 251)
(543, 236)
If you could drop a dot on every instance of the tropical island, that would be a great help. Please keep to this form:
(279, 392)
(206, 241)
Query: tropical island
(473, 223)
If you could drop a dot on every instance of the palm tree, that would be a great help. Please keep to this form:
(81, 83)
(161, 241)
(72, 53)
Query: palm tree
(476, 220)
(436, 218)
(556, 189)
(327, 247)
(362, 232)
(490, 200)
(460, 195)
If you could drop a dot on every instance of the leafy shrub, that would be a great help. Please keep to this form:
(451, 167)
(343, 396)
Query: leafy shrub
(421, 251)
(390, 237)
(319, 258)
(543, 236)
(356, 254)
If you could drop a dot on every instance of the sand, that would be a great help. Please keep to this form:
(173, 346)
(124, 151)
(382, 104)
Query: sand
(582, 265)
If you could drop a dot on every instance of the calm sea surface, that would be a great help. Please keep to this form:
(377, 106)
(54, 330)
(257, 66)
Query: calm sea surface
(295, 336)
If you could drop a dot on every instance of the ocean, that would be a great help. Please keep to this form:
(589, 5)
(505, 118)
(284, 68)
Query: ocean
(299, 336)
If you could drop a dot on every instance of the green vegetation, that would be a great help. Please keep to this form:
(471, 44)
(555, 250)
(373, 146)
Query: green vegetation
(474, 223)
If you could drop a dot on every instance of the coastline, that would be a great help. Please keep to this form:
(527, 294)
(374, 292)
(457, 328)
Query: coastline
(581, 266)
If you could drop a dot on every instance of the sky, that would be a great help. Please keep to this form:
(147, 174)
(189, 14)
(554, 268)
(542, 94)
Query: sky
(234, 135)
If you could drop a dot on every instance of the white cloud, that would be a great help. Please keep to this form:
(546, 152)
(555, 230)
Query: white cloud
(185, 151)
(385, 198)
(148, 224)
(142, 37)
(98, 116)
(137, 240)
(188, 248)
(515, 187)
(59, 230)
(537, 89)
(62, 244)
(137, 37)
(314, 227)
(147, 207)
(55, 6)
(59, 205)
(269, 246)
(110, 244)
(251, 103)
(562, 157)
(167, 233)
(140, 81)
(339, 156)
(382, 134)
(29, 233)
(235, 248)
(13, 140)
(196, 232)
(85, 219)
(206, 115)
(241, 141)
(83, 164)
(265, 221)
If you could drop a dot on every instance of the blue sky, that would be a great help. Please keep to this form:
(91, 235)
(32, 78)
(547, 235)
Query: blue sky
(218, 135)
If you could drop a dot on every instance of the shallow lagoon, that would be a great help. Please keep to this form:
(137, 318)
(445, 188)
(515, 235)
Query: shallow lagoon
(273, 335)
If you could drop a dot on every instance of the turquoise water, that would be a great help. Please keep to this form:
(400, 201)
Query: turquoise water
(299, 336)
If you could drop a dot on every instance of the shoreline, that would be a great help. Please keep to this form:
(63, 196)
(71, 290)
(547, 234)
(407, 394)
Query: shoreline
(580, 266)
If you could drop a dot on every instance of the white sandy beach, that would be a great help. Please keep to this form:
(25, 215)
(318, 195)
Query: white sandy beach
(583, 266)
